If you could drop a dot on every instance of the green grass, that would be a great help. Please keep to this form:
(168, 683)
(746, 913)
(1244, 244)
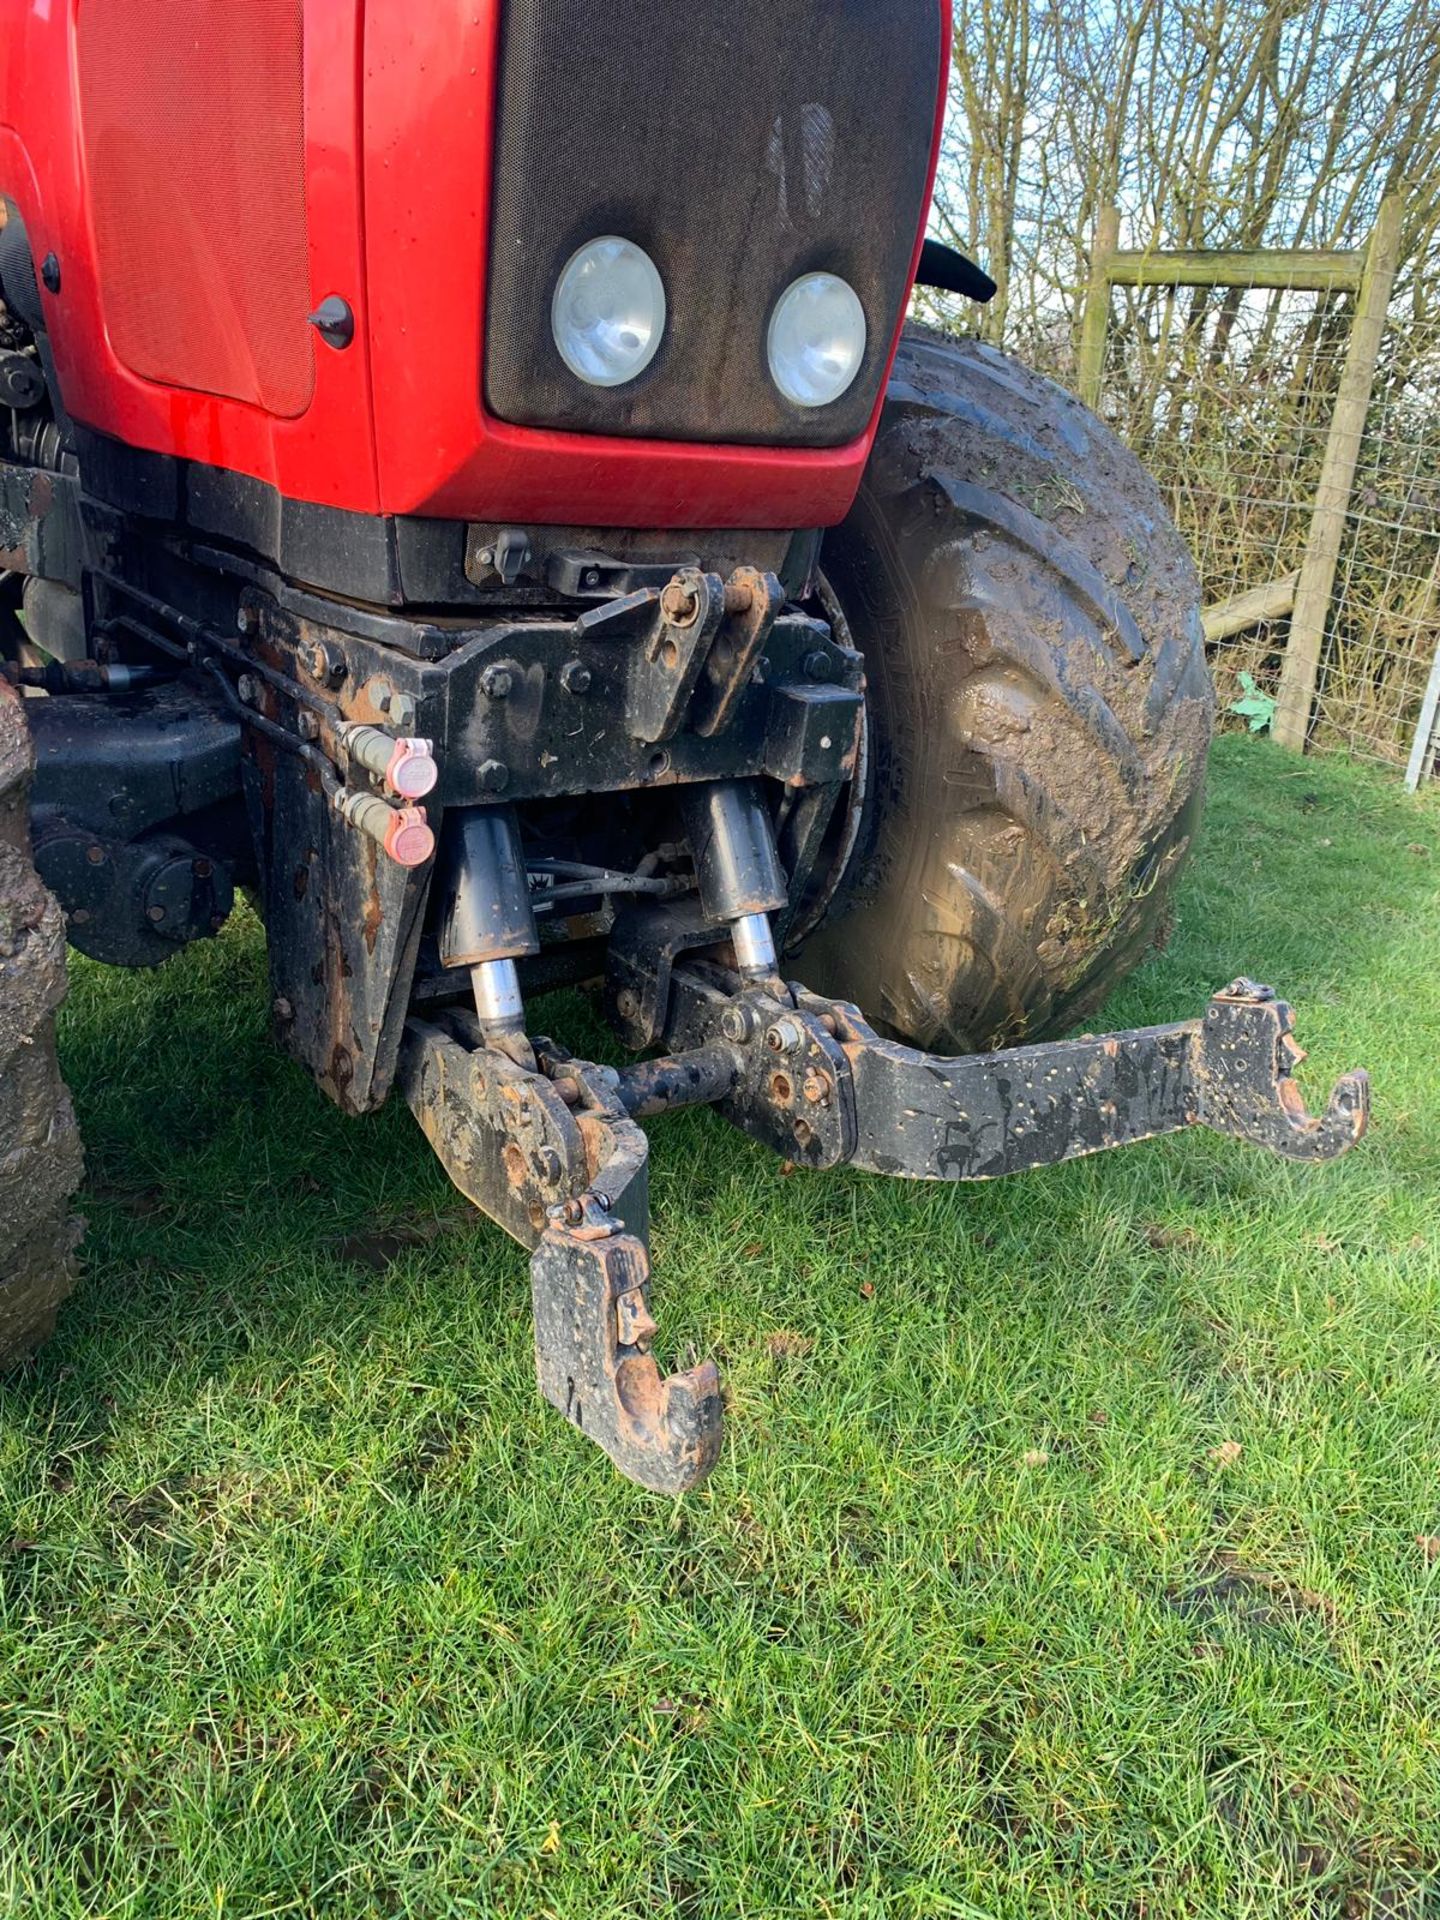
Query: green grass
(310, 1606)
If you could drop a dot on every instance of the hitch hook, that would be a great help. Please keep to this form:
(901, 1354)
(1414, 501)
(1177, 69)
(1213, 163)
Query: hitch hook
(590, 1284)
(1243, 1071)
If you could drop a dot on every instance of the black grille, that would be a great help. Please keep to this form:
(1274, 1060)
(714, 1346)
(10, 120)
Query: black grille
(741, 143)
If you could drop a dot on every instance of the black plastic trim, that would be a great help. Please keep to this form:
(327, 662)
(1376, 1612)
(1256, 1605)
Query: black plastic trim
(383, 559)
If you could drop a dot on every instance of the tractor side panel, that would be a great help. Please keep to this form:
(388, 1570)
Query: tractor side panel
(153, 147)
(199, 106)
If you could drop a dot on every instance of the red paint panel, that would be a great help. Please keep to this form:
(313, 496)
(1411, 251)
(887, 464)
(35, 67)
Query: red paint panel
(397, 152)
(326, 452)
(192, 122)
(429, 88)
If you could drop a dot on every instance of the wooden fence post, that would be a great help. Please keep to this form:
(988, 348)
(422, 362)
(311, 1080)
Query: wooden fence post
(1332, 498)
(1424, 741)
(1097, 306)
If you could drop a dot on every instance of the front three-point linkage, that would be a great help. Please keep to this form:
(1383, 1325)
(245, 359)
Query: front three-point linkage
(548, 1145)
(545, 1145)
(551, 1153)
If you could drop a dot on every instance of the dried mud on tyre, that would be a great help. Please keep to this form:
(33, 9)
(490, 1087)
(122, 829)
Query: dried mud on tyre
(1041, 708)
(40, 1159)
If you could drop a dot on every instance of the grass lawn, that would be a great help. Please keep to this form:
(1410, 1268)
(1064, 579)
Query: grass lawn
(1062, 1558)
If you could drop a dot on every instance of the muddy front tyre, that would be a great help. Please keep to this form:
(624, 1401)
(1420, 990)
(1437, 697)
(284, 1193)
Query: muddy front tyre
(40, 1161)
(1040, 708)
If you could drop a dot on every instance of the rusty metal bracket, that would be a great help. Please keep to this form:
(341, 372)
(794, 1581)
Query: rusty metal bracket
(668, 668)
(553, 1156)
(793, 1085)
(819, 1085)
(752, 602)
(815, 1082)
(645, 945)
(503, 1134)
(1242, 1061)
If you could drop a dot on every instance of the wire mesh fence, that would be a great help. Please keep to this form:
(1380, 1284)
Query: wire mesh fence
(1228, 395)
(1227, 398)
(1248, 128)
(1385, 625)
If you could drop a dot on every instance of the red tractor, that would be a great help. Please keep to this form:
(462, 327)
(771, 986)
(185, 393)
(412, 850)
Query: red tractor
(465, 480)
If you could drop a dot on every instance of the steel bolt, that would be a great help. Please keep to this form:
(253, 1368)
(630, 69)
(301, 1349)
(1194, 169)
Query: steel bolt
(248, 688)
(155, 913)
(575, 677)
(547, 1164)
(95, 855)
(494, 776)
(50, 273)
(402, 709)
(496, 683)
(679, 603)
(816, 1089)
(737, 1024)
(784, 1036)
(486, 556)
(244, 620)
(626, 1004)
(592, 576)
(309, 726)
(818, 665)
(323, 663)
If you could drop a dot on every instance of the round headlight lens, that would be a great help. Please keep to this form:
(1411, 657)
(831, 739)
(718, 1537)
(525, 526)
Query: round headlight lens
(608, 314)
(817, 339)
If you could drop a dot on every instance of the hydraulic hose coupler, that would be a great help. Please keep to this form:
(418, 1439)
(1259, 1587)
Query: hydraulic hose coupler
(406, 766)
(401, 831)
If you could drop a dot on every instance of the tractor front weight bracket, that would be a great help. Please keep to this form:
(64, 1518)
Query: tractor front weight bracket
(553, 1152)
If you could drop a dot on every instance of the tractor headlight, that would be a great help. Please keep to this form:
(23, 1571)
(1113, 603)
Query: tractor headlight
(817, 339)
(608, 314)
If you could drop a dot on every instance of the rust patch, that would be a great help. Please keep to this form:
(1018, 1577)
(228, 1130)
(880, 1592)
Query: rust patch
(374, 917)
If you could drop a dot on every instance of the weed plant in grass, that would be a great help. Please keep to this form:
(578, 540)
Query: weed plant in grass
(1074, 1549)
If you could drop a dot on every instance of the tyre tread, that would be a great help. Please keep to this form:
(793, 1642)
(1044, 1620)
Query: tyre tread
(1030, 621)
(40, 1155)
